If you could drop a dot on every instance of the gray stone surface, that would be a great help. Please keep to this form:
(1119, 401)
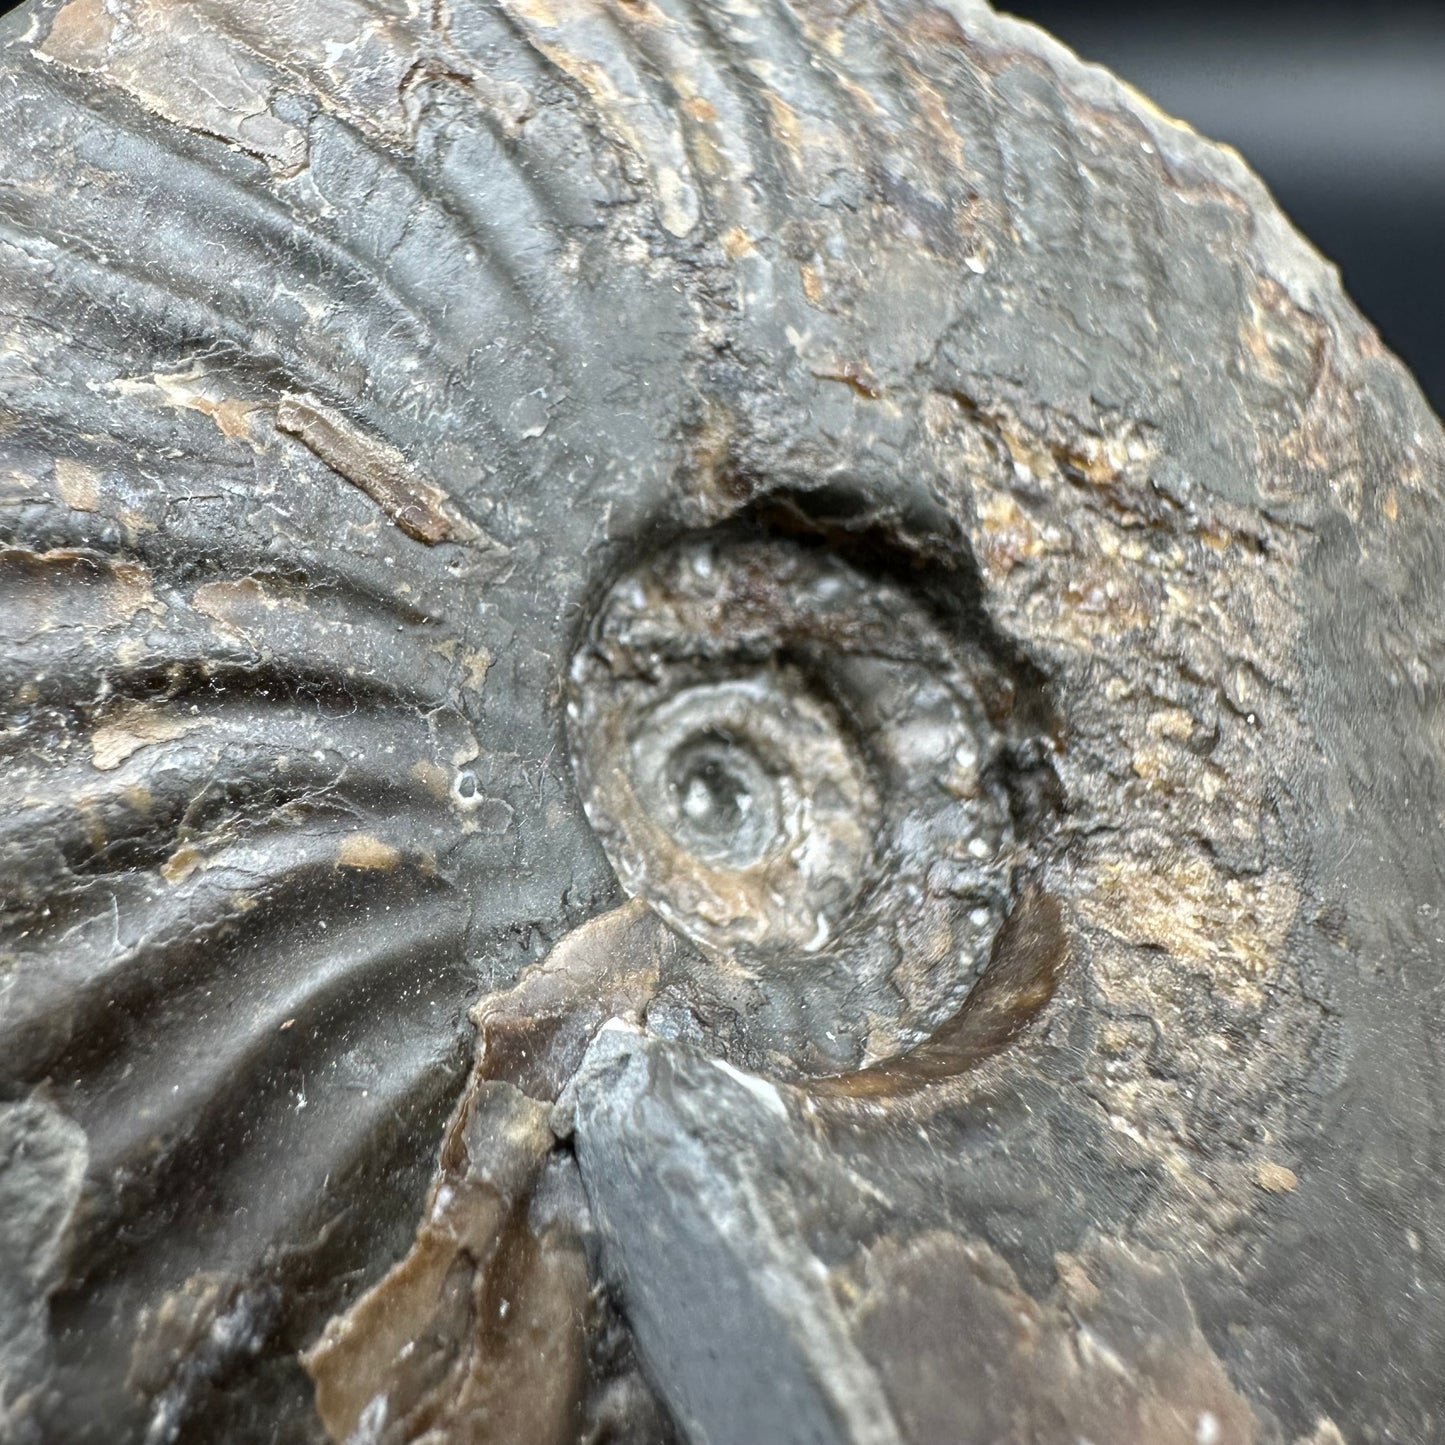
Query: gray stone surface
(351, 351)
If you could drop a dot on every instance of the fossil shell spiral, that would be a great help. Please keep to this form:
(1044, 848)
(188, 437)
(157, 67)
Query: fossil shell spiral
(719, 721)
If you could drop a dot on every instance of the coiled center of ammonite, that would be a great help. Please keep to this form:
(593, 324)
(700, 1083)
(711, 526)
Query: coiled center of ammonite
(788, 759)
(725, 803)
(765, 808)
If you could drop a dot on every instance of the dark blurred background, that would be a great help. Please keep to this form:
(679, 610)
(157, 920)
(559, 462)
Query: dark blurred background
(1340, 107)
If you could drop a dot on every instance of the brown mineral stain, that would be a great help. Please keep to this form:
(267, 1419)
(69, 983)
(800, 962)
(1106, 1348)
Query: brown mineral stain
(219, 69)
(131, 726)
(474, 668)
(231, 416)
(1189, 907)
(1009, 537)
(435, 779)
(243, 598)
(1275, 1178)
(195, 390)
(179, 63)
(1030, 454)
(173, 1328)
(812, 285)
(935, 112)
(856, 375)
(1173, 723)
(1285, 342)
(181, 864)
(136, 524)
(1075, 1285)
(366, 850)
(77, 484)
(477, 1334)
(1105, 597)
(786, 128)
(79, 31)
(737, 242)
(66, 587)
(1153, 765)
(539, 12)
(137, 797)
(370, 464)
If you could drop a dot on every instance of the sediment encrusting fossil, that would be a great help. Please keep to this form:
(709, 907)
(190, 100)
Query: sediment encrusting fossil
(720, 723)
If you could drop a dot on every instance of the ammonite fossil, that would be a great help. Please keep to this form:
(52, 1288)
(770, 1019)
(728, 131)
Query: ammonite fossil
(721, 723)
